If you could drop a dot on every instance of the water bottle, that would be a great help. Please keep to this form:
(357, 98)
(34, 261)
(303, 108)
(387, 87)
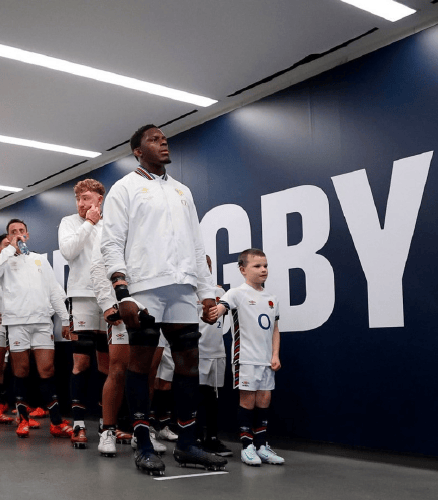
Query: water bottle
(23, 247)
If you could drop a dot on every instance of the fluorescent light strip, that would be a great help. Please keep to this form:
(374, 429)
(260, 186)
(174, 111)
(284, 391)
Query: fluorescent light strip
(388, 9)
(8, 188)
(102, 76)
(48, 147)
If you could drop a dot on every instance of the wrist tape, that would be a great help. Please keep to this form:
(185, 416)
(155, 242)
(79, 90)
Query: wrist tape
(121, 292)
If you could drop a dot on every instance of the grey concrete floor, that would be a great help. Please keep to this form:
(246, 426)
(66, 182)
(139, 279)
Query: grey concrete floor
(46, 468)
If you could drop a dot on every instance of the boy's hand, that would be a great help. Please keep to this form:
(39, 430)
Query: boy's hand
(275, 363)
(209, 311)
(129, 313)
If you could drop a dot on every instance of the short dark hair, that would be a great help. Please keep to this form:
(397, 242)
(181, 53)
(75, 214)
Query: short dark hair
(136, 138)
(2, 237)
(89, 185)
(243, 257)
(13, 221)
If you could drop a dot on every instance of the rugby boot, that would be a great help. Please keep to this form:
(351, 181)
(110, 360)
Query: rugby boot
(79, 438)
(23, 429)
(64, 429)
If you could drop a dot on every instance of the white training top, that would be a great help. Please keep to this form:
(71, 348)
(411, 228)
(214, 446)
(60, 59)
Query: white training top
(76, 238)
(151, 234)
(102, 286)
(211, 343)
(253, 318)
(30, 291)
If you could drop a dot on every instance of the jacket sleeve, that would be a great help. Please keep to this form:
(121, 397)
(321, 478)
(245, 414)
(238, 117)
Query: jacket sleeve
(206, 286)
(102, 287)
(115, 230)
(56, 293)
(5, 254)
(71, 240)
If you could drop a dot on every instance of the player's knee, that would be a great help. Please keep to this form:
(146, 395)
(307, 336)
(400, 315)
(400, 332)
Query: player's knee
(85, 343)
(21, 371)
(117, 373)
(46, 371)
(185, 339)
(147, 337)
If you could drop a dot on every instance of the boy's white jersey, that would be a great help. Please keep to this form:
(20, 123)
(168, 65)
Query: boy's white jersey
(76, 238)
(211, 343)
(253, 318)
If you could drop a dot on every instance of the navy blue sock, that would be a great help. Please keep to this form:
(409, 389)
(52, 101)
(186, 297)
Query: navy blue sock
(186, 392)
(162, 407)
(137, 394)
(78, 384)
(2, 394)
(260, 425)
(210, 403)
(20, 391)
(48, 391)
(245, 419)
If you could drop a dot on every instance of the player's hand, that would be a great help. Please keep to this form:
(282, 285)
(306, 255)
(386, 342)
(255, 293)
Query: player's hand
(93, 214)
(275, 363)
(66, 332)
(109, 311)
(209, 311)
(129, 313)
(13, 242)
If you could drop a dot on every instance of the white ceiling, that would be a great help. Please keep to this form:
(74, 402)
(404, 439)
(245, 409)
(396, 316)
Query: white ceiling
(208, 47)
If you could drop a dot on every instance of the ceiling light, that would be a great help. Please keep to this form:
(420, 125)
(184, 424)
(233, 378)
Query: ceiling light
(102, 76)
(388, 9)
(48, 147)
(8, 188)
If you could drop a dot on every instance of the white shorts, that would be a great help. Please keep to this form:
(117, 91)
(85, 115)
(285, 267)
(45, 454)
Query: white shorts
(212, 371)
(253, 377)
(166, 366)
(86, 315)
(117, 334)
(3, 337)
(170, 304)
(33, 336)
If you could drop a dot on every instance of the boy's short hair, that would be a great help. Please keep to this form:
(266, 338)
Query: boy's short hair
(89, 185)
(243, 257)
(15, 221)
(2, 237)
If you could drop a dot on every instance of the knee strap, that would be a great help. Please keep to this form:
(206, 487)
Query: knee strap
(85, 343)
(101, 342)
(145, 337)
(184, 339)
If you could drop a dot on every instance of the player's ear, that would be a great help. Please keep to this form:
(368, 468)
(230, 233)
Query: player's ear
(137, 152)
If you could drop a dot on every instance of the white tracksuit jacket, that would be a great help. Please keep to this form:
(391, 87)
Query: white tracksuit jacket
(76, 238)
(102, 286)
(151, 234)
(30, 291)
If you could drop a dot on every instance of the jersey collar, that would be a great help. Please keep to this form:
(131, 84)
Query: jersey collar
(148, 175)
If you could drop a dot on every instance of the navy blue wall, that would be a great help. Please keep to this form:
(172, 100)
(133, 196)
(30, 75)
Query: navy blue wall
(366, 375)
